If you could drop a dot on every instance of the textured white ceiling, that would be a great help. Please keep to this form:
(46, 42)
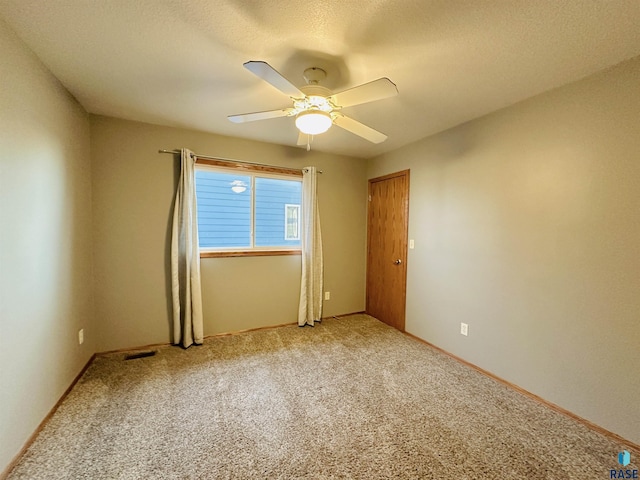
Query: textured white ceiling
(180, 62)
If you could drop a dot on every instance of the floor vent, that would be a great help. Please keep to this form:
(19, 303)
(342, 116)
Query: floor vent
(133, 356)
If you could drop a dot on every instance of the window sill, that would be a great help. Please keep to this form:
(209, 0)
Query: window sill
(249, 253)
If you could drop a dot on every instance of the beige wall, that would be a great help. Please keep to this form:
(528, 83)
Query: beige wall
(133, 187)
(527, 227)
(45, 242)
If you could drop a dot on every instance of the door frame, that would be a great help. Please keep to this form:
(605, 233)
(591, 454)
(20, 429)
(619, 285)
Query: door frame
(404, 230)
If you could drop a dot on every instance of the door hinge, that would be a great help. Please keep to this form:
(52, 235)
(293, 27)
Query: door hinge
(369, 197)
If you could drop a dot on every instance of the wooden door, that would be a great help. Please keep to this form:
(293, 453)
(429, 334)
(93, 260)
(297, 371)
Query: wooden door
(387, 230)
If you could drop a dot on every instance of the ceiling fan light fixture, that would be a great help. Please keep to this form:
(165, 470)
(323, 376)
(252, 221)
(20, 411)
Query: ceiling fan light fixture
(313, 122)
(238, 186)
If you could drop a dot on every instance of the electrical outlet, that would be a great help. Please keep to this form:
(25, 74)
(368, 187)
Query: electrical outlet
(327, 295)
(464, 329)
(81, 336)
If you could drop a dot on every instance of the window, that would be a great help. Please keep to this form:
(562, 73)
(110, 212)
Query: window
(244, 212)
(292, 222)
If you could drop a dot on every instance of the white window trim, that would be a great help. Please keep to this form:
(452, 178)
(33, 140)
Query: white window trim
(297, 207)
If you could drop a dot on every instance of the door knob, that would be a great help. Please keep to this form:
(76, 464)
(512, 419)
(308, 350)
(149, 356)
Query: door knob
(397, 262)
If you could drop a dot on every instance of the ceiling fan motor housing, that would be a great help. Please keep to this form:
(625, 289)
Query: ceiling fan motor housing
(316, 97)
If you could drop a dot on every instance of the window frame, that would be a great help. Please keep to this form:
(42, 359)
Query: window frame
(298, 209)
(263, 171)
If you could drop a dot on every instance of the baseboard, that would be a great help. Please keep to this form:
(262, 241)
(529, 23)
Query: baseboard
(133, 349)
(246, 330)
(5, 473)
(269, 327)
(592, 426)
(169, 344)
(224, 334)
(342, 315)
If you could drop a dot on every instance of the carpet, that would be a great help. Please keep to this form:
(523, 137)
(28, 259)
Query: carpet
(349, 398)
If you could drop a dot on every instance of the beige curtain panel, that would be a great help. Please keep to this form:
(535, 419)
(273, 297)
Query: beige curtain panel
(185, 258)
(310, 310)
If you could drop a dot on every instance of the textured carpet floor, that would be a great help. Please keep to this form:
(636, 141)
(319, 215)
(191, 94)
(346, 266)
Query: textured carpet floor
(350, 398)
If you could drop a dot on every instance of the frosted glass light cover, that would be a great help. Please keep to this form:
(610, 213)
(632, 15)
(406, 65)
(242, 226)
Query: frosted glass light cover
(313, 122)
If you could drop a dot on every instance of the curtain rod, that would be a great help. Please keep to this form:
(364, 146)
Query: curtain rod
(178, 152)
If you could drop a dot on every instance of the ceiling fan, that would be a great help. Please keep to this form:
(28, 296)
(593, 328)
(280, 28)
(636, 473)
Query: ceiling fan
(315, 107)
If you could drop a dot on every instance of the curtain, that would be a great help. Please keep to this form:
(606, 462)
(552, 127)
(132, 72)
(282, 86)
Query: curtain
(310, 310)
(185, 258)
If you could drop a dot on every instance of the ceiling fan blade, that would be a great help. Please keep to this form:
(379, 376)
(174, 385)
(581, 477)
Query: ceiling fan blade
(367, 92)
(302, 138)
(360, 129)
(252, 117)
(270, 75)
